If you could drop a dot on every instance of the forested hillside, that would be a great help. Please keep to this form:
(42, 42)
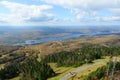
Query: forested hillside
(26, 63)
(73, 44)
(86, 54)
(30, 69)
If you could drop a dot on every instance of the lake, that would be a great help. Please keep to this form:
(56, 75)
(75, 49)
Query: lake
(74, 35)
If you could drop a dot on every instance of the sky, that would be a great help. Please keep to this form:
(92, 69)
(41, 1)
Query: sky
(59, 12)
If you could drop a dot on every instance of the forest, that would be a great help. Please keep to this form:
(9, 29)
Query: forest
(24, 63)
(30, 69)
(83, 55)
(105, 72)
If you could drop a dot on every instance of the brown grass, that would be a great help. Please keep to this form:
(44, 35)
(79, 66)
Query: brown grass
(71, 44)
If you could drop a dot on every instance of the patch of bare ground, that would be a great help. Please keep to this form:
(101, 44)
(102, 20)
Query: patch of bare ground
(2, 66)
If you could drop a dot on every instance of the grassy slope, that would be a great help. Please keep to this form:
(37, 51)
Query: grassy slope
(66, 45)
(16, 78)
(62, 71)
(81, 75)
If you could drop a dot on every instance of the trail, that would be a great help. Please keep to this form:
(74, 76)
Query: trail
(80, 69)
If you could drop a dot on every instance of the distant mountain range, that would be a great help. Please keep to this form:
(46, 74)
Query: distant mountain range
(36, 35)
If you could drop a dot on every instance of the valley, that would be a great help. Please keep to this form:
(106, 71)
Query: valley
(70, 58)
(59, 39)
(39, 35)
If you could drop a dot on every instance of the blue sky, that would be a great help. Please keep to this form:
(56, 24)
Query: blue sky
(59, 12)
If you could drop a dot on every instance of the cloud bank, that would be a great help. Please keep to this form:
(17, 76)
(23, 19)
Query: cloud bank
(42, 12)
(22, 13)
(86, 10)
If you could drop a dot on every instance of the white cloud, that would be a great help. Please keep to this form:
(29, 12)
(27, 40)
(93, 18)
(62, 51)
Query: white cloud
(116, 11)
(90, 9)
(86, 4)
(83, 10)
(111, 18)
(21, 12)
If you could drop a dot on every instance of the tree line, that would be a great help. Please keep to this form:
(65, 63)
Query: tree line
(80, 56)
